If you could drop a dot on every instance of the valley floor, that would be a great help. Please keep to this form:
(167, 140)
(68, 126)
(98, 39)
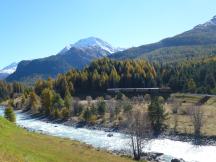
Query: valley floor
(19, 145)
(182, 117)
(178, 107)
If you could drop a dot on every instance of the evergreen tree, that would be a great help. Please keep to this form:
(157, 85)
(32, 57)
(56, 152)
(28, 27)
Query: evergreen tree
(68, 101)
(157, 116)
(9, 114)
(95, 80)
(65, 113)
(210, 80)
(61, 86)
(56, 113)
(57, 101)
(87, 115)
(39, 86)
(191, 86)
(114, 78)
(101, 107)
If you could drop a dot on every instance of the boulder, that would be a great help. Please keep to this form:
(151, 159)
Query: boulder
(109, 135)
(177, 160)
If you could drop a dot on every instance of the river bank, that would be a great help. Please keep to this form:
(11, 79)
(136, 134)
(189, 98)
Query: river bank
(19, 145)
(184, 137)
(118, 142)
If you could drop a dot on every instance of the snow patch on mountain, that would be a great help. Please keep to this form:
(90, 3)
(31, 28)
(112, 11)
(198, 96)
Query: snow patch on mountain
(92, 43)
(65, 49)
(211, 22)
(9, 69)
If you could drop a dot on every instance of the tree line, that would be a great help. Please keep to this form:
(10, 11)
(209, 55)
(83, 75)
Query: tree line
(190, 76)
(197, 76)
(7, 90)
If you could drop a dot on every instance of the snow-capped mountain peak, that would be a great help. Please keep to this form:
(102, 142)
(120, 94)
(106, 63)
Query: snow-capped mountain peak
(92, 43)
(66, 48)
(211, 22)
(9, 69)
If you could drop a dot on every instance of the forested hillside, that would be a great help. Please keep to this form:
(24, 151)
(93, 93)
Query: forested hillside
(179, 54)
(189, 76)
(196, 76)
(191, 44)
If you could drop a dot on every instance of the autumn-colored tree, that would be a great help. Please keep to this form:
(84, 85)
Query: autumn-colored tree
(61, 86)
(46, 100)
(34, 102)
(114, 78)
(40, 85)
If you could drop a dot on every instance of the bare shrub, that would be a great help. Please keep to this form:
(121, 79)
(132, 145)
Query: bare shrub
(147, 98)
(89, 100)
(77, 107)
(108, 97)
(184, 111)
(197, 119)
(171, 100)
(175, 122)
(126, 105)
(134, 99)
(111, 105)
(175, 107)
(139, 129)
(140, 98)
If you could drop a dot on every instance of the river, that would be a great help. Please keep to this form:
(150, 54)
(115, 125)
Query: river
(118, 141)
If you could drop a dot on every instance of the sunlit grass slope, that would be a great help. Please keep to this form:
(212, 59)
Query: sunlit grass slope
(19, 145)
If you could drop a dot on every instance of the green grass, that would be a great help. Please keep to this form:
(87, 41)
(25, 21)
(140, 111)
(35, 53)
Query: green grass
(19, 145)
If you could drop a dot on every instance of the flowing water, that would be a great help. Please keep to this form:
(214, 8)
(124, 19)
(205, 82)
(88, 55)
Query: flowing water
(119, 141)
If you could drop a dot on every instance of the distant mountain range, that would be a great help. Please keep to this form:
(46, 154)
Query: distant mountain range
(196, 43)
(76, 55)
(5, 72)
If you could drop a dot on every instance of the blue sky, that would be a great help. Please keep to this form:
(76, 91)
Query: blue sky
(38, 28)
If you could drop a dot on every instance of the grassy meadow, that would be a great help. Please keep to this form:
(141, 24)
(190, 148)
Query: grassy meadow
(184, 124)
(19, 145)
(182, 114)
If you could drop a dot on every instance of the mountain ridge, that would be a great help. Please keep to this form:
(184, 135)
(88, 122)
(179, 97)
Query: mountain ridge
(6, 71)
(198, 42)
(199, 35)
(91, 42)
(75, 56)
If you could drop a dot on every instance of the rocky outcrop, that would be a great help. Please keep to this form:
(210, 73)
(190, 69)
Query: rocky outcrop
(151, 156)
